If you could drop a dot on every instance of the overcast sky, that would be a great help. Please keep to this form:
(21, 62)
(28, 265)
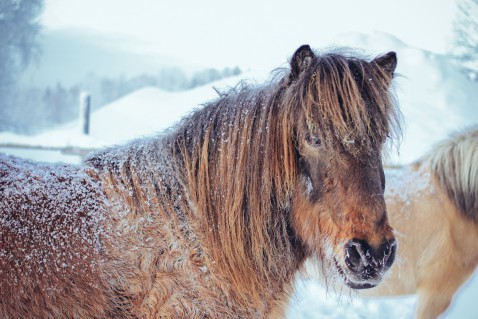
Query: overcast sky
(220, 33)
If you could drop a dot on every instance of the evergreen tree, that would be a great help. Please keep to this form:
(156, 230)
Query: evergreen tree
(19, 28)
(466, 33)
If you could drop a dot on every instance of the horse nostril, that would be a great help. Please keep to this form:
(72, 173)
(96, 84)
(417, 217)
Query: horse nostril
(388, 249)
(356, 254)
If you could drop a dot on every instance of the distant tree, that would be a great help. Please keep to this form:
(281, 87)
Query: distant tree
(19, 29)
(203, 77)
(18, 38)
(210, 75)
(466, 33)
(172, 79)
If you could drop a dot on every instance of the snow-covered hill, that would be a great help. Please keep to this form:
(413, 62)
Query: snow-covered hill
(149, 111)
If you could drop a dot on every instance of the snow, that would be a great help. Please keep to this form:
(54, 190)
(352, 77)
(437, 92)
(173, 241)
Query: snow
(436, 99)
(464, 302)
(43, 155)
(406, 179)
(313, 301)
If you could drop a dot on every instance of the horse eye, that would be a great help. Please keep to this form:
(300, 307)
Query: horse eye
(313, 140)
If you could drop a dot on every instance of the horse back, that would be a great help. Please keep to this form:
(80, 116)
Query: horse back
(51, 239)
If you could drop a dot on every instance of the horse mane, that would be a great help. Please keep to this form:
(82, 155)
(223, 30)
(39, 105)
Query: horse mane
(235, 160)
(454, 162)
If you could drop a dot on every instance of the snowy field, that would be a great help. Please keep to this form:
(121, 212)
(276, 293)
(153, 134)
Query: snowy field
(436, 99)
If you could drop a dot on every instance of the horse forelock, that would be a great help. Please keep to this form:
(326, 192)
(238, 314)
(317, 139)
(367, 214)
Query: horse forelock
(454, 162)
(348, 101)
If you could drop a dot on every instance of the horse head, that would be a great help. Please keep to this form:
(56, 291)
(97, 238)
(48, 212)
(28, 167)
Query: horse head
(346, 114)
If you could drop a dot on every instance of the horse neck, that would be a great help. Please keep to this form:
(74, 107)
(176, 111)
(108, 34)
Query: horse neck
(462, 230)
(136, 172)
(227, 156)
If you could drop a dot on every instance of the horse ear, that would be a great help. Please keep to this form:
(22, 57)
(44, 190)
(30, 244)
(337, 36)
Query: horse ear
(301, 60)
(387, 62)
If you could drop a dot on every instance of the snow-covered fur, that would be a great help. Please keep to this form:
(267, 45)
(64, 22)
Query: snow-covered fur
(213, 218)
(52, 236)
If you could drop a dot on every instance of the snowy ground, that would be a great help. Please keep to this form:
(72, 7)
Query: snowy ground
(312, 300)
(436, 99)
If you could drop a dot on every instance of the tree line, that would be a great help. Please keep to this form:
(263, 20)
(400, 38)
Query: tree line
(29, 110)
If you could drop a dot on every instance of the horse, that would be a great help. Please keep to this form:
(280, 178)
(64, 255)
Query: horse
(213, 217)
(433, 207)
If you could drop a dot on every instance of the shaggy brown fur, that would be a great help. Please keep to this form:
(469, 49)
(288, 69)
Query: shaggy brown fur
(211, 219)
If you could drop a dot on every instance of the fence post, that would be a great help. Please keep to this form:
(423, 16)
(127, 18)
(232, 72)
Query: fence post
(85, 106)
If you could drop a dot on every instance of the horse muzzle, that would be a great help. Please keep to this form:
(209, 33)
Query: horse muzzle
(365, 265)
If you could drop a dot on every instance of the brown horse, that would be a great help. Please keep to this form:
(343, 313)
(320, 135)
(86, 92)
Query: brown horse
(433, 207)
(213, 218)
